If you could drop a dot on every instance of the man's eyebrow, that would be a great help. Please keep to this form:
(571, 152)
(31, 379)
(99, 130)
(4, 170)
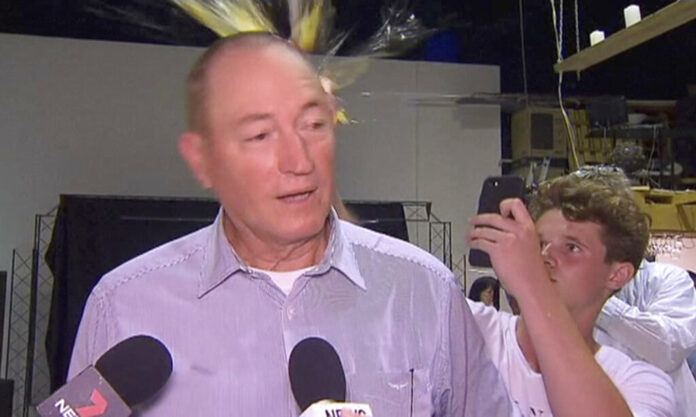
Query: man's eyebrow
(310, 105)
(575, 240)
(568, 238)
(253, 117)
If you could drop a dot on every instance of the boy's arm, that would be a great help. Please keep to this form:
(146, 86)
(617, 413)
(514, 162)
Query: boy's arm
(575, 383)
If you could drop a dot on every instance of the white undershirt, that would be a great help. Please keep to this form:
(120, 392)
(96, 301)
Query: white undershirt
(284, 279)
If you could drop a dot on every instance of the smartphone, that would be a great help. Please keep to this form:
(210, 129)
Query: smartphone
(493, 192)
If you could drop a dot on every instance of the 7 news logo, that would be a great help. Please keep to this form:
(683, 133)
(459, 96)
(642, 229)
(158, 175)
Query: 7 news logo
(97, 408)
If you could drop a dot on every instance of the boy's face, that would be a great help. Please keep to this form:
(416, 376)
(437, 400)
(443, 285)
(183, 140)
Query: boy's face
(575, 254)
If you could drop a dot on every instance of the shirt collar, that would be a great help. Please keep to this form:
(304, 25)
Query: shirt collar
(340, 254)
(220, 260)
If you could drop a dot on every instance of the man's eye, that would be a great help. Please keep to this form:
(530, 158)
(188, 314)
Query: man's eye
(260, 136)
(573, 247)
(315, 125)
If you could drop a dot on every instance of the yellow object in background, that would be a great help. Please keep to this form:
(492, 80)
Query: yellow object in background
(228, 17)
(671, 211)
(311, 24)
(306, 30)
(342, 117)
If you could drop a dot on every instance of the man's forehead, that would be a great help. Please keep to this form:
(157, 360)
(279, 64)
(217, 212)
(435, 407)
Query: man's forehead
(241, 59)
(245, 84)
(555, 221)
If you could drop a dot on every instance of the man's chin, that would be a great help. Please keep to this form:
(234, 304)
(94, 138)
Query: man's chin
(304, 232)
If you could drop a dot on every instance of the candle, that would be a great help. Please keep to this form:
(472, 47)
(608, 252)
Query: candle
(632, 15)
(596, 37)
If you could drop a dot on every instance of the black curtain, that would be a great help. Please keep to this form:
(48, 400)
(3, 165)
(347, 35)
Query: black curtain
(383, 217)
(93, 235)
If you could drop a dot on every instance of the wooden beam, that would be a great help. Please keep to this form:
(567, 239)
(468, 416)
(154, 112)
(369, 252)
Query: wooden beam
(663, 20)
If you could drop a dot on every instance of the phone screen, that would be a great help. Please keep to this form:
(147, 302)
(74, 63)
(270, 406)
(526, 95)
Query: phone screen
(493, 192)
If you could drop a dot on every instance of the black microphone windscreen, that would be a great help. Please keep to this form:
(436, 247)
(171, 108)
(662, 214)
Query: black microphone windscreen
(316, 373)
(136, 368)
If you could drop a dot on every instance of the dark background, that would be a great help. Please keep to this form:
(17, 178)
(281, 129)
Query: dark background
(473, 31)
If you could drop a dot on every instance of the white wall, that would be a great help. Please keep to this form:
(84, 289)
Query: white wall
(103, 117)
(85, 117)
(98, 117)
(401, 150)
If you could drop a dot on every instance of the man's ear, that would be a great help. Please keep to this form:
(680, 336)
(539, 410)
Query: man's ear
(622, 273)
(192, 149)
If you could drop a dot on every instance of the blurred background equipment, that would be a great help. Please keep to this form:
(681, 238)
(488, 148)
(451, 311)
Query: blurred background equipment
(671, 211)
(629, 157)
(538, 132)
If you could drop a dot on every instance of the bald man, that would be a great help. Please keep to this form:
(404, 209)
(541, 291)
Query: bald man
(277, 266)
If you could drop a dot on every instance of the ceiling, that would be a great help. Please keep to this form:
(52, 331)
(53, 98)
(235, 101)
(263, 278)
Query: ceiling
(474, 31)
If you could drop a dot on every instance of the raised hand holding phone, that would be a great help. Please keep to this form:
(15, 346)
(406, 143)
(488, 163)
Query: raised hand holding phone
(511, 240)
(493, 192)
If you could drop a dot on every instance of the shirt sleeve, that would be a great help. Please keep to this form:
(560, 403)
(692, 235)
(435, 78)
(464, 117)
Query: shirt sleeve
(487, 318)
(648, 391)
(661, 328)
(470, 383)
(92, 336)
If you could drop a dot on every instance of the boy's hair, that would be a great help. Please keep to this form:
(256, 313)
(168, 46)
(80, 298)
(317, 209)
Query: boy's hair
(625, 228)
(610, 175)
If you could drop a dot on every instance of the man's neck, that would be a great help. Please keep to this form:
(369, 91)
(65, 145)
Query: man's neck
(585, 323)
(261, 253)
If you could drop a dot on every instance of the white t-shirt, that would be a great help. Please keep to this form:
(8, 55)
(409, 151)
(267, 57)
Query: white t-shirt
(285, 279)
(647, 390)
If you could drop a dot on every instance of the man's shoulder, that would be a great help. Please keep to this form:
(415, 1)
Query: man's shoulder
(499, 318)
(656, 281)
(618, 365)
(659, 270)
(497, 327)
(378, 245)
(156, 262)
(611, 355)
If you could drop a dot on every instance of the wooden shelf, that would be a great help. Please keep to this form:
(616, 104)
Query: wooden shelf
(664, 20)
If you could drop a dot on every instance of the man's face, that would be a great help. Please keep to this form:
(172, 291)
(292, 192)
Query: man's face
(575, 256)
(269, 146)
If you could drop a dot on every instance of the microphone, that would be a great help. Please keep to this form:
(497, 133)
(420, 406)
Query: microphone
(129, 373)
(318, 382)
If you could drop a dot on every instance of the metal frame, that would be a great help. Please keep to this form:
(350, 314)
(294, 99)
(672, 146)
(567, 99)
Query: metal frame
(30, 287)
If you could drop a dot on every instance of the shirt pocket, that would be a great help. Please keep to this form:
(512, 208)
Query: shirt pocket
(403, 393)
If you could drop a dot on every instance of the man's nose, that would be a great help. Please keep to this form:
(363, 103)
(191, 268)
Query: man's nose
(546, 253)
(294, 154)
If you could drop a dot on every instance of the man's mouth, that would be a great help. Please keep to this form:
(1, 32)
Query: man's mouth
(296, 197)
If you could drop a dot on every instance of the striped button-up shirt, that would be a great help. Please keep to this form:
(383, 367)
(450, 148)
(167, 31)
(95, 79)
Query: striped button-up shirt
(400, 324)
